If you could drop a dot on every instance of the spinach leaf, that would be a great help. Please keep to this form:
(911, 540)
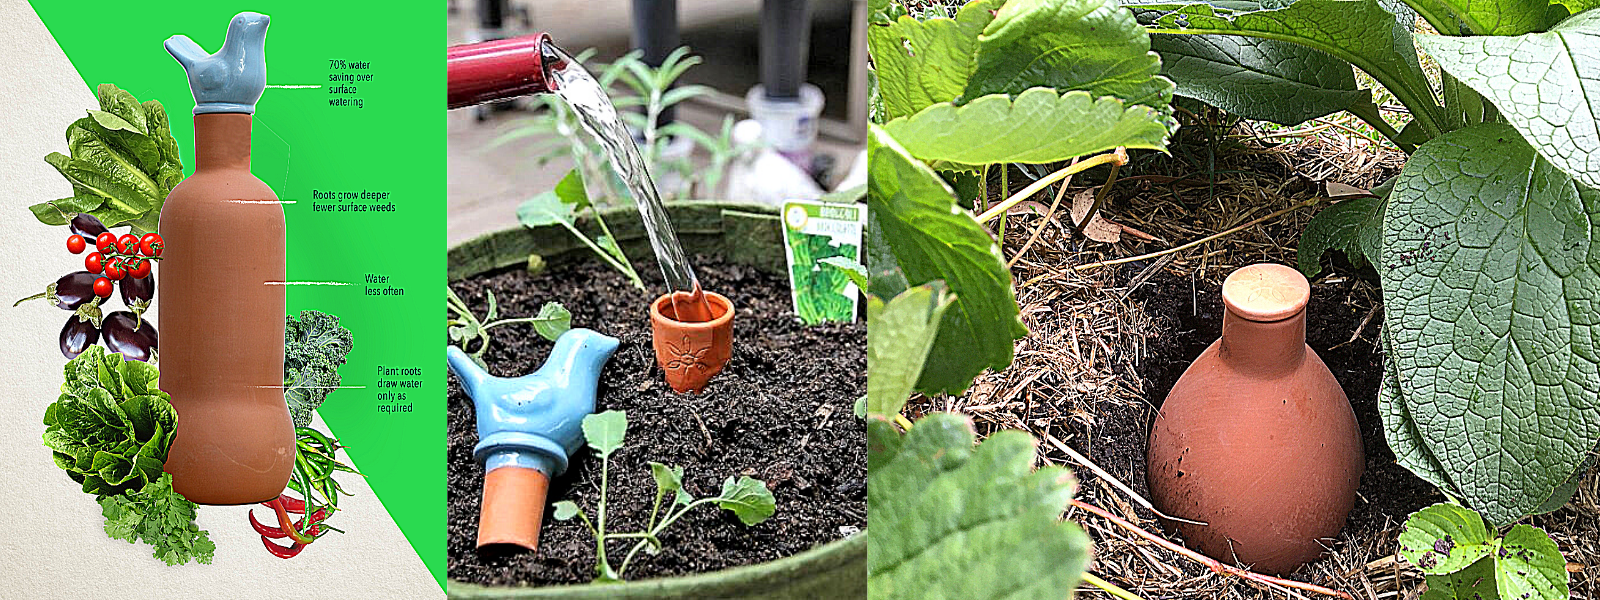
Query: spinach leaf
(110, 428)
(1489, 280)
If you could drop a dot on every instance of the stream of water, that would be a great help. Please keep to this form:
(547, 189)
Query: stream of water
(599, 118)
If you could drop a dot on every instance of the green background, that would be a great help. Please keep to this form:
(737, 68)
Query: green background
(395, 143)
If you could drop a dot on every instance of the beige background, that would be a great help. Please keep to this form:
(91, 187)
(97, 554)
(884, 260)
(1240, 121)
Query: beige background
(52, 544)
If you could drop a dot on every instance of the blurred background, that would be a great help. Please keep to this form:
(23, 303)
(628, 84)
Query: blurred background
(806, 136)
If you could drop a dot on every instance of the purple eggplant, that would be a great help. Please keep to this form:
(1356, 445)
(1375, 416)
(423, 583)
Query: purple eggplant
(86, 225)
(127, 334)
(77, 336)
(134, 290)
(75, 289)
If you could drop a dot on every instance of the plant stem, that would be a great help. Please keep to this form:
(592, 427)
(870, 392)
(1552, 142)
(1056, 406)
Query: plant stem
(1005, 188)
(651, 535)
(1215, 565)
(600, 516)
(1121, 154)
(1369, 113)
(1069, 170)
(902, 421)
(1061, 192)
(606, 256)
(626, 266)
(1110, 588)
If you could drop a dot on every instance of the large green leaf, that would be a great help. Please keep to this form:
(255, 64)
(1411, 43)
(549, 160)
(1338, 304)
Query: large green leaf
(1090, 45)
(921, 63)
(1400, 431)
(931, 238)
(1489, 279)
(1354, 227)
(1361, 32)
(1265, 80)
(954, 522)
(1547, 85)
(899, 335)
(1486, 17)
(1462, 559)
(1039, 126)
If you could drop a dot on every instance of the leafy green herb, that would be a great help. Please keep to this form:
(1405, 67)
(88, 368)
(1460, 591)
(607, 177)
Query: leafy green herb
(965, 522)
(122, 164)
(313, 349)
(463, 327)
(110, 428)
(746, 498)
(161, 517)
(1463, 559)
(561, 207)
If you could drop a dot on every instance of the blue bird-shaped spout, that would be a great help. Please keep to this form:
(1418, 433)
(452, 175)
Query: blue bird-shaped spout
(230, 81)
(536, 420)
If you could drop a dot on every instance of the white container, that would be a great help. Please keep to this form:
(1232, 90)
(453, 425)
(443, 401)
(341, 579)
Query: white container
(788, 125)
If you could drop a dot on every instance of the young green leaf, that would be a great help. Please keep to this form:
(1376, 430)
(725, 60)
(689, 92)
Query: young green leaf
(1039, 126)
(1547, 85)
(977, 523)
(748, 498)
(571, 191)
(1354, 227)
(545, 209)
(604, 431)
(565, 510)
(1461, 557)
(921, 63)
(669, 480)
(1488, 274)
(931, 238)
(899, 336)
(554, 320)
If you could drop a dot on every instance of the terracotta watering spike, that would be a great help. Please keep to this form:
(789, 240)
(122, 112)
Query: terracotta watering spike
(1257, 440)
(691, 351)
(527, 428)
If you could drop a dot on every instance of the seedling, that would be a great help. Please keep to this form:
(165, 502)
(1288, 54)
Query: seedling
(561, 207)
(746, 497)
(463, 327)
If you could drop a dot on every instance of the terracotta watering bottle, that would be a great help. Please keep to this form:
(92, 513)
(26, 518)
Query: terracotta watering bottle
(527, 429)
(1257, 440)
(222, 326)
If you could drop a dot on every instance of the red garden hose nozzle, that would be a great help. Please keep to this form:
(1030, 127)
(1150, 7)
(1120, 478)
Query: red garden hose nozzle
(500, 69)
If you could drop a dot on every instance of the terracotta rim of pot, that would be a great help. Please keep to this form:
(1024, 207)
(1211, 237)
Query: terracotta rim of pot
(1266, 292)
(513, 508)
(691, 353)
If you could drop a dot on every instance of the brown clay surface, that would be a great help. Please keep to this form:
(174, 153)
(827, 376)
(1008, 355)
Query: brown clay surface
(513, 507)
(691, 352)
(780, 411)
(1266, 292)
(221, 354)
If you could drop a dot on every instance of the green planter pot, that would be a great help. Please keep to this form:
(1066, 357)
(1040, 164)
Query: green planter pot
(741, 233)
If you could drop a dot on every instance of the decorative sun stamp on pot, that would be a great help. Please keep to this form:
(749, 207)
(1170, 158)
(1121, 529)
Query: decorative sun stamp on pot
(685, 356)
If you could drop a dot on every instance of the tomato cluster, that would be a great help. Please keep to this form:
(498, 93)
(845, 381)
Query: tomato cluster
(119, 262)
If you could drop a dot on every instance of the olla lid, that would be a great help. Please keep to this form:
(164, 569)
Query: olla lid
(230, 81)
(1266, 292)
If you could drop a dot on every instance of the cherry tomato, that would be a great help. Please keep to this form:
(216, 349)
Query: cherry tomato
(102, 287)
(128, 243)
(105, 242)
(76, 244)
(114, 268)
(92, 262)
(150, 244)
(140, 268)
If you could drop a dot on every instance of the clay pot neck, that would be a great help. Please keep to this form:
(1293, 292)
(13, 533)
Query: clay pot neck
(221, 141)
(1266, 348)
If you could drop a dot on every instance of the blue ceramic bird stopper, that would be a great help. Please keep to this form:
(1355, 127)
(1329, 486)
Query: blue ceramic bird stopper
(527, 428)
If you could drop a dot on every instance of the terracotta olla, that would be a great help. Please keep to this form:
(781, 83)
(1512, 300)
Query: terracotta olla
(691, 352)
(221, 295)
(1257, 440)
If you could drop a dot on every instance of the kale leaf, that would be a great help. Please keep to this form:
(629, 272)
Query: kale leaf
(313, 349)
(160, 517)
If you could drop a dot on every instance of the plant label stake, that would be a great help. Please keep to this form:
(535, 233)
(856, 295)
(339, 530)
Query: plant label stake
(1257, 440)
(527, 429)
(813, 231)
(222, 336)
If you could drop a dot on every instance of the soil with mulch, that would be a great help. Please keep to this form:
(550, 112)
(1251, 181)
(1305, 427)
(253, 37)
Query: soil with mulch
(781, 411)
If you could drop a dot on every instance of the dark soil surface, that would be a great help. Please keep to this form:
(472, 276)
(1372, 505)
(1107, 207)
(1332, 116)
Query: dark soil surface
(1188, 318)
(781, 411)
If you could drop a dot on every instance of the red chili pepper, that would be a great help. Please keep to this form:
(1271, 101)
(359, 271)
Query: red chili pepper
(290, 504)
(284, 552)
(264, 530)
(287, 525)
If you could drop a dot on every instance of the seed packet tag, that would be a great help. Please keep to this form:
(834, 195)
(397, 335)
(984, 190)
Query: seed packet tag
(814, 231)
